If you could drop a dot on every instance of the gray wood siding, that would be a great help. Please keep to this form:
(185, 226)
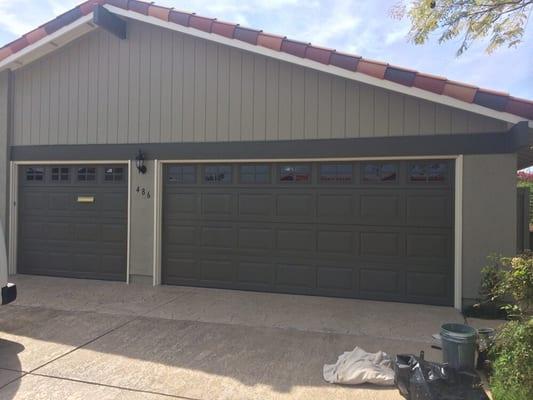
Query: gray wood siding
(164, 86)
(4, 144)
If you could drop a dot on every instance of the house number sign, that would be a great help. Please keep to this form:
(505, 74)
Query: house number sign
(143, 192)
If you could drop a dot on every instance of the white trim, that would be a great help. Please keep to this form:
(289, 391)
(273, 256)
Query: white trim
(13, 211)
(13, 218)
(158, 202)
(458, 209)
(458, 224)
(48, 39)
(356, 76)
(128, 247)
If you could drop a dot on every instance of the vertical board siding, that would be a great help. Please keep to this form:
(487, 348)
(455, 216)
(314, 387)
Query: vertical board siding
(164, 86)
(4, 146)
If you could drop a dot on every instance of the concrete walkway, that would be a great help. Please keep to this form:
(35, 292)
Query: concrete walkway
(81, 339)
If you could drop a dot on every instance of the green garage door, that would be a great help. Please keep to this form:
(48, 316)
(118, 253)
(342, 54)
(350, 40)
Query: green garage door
(73, 221)
(375, 230)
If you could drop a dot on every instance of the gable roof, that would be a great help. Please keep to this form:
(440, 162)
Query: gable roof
(465, 93)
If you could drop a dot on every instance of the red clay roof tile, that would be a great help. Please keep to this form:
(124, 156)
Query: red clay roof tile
(293, 47)
(400, 75)
(139, 6)
(5, 52)
(345, 61)
(36, 35)
(270, 41)
(118, 3)
(428, 82)
(521, 107)
(223, 28)
(201, 23)
(158, 12)
(179, 17)
(246, 34)
(372, 68)
(461, 91)
(19, 44)
(318, 54)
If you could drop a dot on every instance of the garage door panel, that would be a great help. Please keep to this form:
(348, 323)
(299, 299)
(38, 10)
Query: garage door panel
(380, 244)
(375, 280)
(303, 276)
(335, 278)
(73, 238)
(351, 239)
(257, 273)
(217, 204)
(256, 205)
(218, 270)
(296, 240)
(337, 241)
(295, 206)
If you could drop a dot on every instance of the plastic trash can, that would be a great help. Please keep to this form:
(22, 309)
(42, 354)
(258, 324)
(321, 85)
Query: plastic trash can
(458, 346)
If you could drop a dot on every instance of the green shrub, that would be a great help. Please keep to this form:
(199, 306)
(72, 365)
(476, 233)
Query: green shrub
(512, 358)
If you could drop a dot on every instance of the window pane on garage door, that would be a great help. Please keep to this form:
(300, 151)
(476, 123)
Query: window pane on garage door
(356, 229)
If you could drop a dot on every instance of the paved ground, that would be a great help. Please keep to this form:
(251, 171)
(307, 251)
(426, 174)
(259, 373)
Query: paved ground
(79, 339)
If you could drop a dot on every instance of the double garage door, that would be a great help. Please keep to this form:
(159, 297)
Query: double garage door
(72, 221)
(376, 230)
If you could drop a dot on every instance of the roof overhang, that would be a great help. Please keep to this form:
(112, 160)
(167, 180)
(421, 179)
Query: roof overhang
(49, 43)
(84, 25)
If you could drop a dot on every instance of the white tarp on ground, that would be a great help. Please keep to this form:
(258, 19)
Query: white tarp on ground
(358, 366)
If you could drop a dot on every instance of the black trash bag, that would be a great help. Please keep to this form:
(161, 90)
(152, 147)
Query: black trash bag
(418, 379)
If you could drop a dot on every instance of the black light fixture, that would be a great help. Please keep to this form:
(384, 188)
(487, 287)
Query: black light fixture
(139, 162)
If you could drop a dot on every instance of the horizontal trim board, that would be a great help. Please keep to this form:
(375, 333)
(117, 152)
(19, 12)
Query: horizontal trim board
(442, 145)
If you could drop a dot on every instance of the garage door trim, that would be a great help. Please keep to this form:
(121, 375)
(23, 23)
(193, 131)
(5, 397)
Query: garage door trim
(457, 218)
(13, 204)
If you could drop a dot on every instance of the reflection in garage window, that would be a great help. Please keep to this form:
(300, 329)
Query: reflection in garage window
(428, 172)
(380, 172)
(60, 174)
(341, 173)
(295, 173)
(86, 174)
(181, 174)
(255, 174)
(34, 174)
(217, 174)
(113, 174)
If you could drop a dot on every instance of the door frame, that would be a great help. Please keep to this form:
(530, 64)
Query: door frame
(458, 205)
(14, 167)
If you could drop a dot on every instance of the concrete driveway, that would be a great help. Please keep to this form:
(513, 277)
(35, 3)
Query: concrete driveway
(80, 339)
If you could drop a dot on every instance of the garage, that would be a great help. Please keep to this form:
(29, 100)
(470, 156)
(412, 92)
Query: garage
(378, 230)
(73, 221)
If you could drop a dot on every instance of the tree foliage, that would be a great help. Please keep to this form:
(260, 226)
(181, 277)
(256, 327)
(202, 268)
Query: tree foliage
(503, 22)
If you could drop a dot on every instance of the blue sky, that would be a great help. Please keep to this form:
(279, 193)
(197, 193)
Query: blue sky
(362, 27)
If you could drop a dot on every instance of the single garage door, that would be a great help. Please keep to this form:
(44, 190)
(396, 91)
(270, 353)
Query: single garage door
(375, 230)
(73, 221)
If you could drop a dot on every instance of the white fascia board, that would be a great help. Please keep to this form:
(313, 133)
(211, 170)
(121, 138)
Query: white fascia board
(330, 69)
(48, 41)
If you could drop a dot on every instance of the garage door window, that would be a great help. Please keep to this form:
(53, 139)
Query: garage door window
(181, 174)
(35, 174)
(254, 174)
(115, 174)
(428, 172)
(341, 173)
(60, 174)
(374, 172)
(217, 174)
(295, 173)
(86, 174)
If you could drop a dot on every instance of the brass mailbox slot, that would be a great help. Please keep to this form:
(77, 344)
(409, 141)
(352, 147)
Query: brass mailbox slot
(85, 199)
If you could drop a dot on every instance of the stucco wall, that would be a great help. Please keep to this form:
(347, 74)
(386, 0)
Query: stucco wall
(489, 214)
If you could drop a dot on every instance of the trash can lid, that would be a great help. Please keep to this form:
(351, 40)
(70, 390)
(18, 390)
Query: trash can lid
(458, 330)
